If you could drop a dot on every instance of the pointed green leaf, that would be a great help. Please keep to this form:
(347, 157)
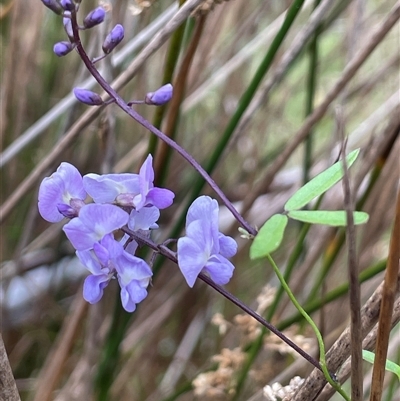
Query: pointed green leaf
(335, 218)
(269, 237)
(320, 184)
(390, 366)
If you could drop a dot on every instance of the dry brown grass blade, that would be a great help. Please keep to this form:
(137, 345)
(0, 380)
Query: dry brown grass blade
(8, 388)
(56, 358)
(391, 285)
(348, 73)
(352, 267)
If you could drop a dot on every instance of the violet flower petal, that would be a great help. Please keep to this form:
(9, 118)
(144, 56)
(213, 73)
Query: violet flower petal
(93, 287)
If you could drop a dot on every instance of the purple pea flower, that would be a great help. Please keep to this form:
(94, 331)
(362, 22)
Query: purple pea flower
(93, 223)
(160, 96)
(62, 194)
(107, 260)
(113, 39)
(88, 97)
(94, 18)
(63, 48)
(204, 248)
(131, 190)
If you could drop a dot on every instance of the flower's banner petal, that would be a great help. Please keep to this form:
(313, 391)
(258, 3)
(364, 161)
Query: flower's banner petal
(105, 188)
(219, 269)
(130, 268)
(144, 219)
(80, 236)
(90, 262)
(320, 184)
(50, 195)
(227, 246)
(200, 232)
(93, 287)
(191, 259)
(103, 219)
(160, 197)
(203, 207)
(72, 180)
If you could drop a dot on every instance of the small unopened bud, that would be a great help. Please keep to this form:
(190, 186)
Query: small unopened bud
(67, 5)
(62, 48)
(113, 38)
(95, 17)
(68, 27)
(160, 96)
(88, 97)
(53, 5)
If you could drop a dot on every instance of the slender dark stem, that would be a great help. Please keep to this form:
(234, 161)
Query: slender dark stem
(142, 121)
(171, 255)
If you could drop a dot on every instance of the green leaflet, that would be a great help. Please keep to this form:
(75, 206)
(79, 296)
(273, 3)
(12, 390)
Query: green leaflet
(269, 237)
(320, 184)
(335, 218)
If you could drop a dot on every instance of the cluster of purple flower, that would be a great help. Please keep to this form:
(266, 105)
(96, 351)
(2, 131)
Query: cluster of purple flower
(132, 201)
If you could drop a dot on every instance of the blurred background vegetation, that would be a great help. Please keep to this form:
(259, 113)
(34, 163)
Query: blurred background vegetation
(243, 91)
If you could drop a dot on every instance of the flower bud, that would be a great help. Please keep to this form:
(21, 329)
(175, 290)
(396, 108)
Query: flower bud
(113, 38)
(67, 5)
(68, 27)
(160, 96)
(53, 5)
(88, 97)
(95, 17)
(62, 48)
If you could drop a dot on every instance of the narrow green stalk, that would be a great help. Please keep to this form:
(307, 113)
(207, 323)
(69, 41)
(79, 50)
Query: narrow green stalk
(336, 293)
(322, 359)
